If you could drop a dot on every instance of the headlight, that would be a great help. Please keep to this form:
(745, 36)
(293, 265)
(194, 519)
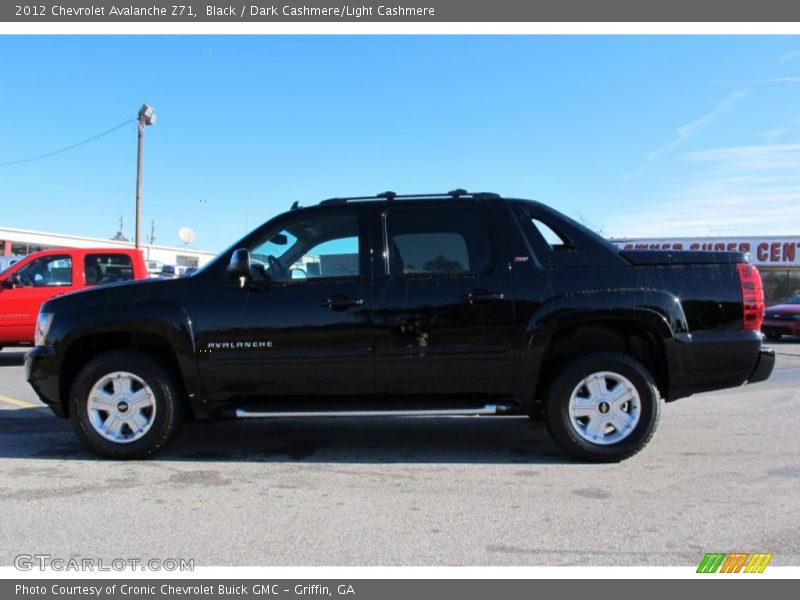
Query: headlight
(42, 327)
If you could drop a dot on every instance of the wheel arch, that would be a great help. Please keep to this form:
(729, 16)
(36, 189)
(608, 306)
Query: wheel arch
(85, 348)
(642, 323)
(637, 338)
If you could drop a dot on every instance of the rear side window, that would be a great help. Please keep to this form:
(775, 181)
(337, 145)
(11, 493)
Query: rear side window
(447, 241)
(554, 239)
(107, 268)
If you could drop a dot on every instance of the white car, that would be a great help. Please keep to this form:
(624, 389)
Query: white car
(7, 261)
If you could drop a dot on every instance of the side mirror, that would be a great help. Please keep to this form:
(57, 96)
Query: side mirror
(239, 267)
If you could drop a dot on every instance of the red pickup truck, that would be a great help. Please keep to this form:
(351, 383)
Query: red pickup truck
(25, 285)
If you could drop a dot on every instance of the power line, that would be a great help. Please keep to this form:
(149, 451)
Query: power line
(91, 139)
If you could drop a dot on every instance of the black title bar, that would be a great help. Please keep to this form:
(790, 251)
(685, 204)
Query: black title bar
(327, 11)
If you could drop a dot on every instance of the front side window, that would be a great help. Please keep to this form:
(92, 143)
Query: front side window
(425, 241)
(48, 271)
(107, 268)
(311, 248)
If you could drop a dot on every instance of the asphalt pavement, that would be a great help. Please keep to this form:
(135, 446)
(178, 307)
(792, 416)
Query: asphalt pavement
(721, 475)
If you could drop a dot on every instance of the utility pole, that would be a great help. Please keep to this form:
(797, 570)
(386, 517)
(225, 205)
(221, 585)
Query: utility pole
(147, 116)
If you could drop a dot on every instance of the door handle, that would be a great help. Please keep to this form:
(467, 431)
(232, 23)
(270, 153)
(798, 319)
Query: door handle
(340, 302)
(480, 297)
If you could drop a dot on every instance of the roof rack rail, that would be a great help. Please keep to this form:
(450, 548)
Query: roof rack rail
(455, 194)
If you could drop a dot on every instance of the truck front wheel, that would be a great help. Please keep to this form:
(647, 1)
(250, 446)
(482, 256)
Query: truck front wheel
(602, 407)
(124, 405)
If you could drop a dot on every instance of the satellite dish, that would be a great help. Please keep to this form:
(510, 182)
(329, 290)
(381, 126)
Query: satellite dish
(186, 235)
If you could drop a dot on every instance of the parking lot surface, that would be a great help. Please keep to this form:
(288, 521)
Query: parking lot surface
(722, 474)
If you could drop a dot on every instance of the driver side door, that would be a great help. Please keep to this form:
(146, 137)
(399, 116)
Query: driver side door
(309, 333)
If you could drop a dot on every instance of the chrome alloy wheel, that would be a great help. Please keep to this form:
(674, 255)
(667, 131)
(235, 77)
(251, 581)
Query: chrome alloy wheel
(604, 408)
(121, 407)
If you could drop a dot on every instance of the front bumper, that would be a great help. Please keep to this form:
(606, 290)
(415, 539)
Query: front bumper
(764, 366)
(41, 371)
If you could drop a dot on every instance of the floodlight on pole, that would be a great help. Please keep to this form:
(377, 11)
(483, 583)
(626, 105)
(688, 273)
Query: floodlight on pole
(147, 116)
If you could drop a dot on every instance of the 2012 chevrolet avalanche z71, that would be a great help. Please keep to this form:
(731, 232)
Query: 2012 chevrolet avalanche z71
(451, 304)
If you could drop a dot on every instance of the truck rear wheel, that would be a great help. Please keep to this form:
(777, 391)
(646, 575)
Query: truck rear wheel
(124, 405)
(602, 407)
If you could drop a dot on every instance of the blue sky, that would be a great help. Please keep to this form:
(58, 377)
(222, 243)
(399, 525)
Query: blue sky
(633, 135)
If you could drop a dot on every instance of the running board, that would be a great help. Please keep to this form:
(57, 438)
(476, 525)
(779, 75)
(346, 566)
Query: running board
(489, 409)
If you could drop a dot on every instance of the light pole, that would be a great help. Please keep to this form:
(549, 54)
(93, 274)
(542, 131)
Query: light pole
(147, 116)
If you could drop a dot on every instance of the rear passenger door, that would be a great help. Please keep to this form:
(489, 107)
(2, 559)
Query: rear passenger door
(443, 308)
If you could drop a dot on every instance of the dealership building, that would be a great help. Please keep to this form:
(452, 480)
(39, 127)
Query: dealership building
(777, 257)
(21, 242)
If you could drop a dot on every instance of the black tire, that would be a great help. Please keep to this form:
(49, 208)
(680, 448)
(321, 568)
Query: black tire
(773, 336)
(620, 369)
(166, 405)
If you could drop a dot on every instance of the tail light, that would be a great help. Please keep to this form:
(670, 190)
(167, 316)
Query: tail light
(752, 296)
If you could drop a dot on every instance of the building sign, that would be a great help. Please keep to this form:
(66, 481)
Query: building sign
(764, 251)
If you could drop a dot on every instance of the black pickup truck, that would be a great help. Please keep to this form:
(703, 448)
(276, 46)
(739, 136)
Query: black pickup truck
(450, 304)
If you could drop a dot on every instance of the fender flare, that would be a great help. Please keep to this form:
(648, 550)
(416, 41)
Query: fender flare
(659, 309)
(653, 311)
(168, 321)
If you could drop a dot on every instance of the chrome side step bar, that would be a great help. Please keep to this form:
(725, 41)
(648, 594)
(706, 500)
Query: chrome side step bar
(489, 409)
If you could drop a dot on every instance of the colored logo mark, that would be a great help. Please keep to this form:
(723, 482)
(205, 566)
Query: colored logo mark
(734, 562)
